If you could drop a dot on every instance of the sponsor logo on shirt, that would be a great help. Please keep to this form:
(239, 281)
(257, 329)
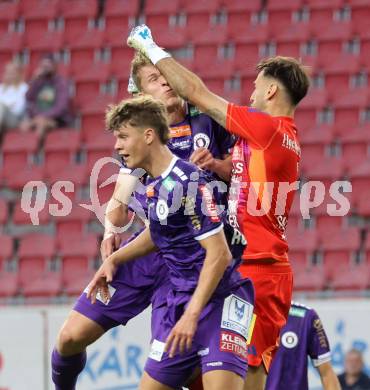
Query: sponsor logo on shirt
(230, 342)
(180, 131)
(317, 324)
(237, 315)
(201, 140)
(210, 204)
(189, 205)
(289, 340)
(161, 209)
(156, 350)
(291, 144)
(149, 191)
(169, 183)
(296, 312)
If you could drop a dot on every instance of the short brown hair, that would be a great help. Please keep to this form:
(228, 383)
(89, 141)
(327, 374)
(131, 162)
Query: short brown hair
(142, 112)
(137, 63)
(290, 72)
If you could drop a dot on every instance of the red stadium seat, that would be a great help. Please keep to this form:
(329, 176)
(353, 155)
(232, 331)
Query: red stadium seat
(120, 13)
(79, 9)
(47, 284)
(3, 212)
(328, 169)
(77, 259)
(362, 204)
(29, 173)
(241, 5)
(198, 7)
(316, 98)
(6, 248)
(334, 261)
(317, 135)
(98, 147)
(78, 174)
(157, 13)
(60, 148)
(343, 239)
(23, 217)
(39, 9)
(34, 254)
(171, 37)
(18, 148)
(8, 283)
(11, 42)
(9, 12)
(310, 279)
(8, 277)
(355, 277)
(74, 222)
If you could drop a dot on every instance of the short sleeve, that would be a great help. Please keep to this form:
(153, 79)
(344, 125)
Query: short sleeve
(204, 219)
(257, 127)
(318, 343)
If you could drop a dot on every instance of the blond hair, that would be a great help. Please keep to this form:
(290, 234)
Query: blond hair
(137, 63)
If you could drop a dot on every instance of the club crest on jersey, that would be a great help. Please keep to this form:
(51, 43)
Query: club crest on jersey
(162, 210)
(201, 140)
(289, 340)
(236, 315)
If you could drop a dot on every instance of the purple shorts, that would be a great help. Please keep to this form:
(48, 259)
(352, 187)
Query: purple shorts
(136, 285)
(220, 342)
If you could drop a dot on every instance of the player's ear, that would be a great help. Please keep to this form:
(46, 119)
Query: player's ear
(149, 135)
(271, 91)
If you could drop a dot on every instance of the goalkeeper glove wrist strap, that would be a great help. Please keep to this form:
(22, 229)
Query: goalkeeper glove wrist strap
(156, 54)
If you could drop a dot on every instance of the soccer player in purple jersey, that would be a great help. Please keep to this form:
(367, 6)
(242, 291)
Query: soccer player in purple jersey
(208, 306)
(194, 136)
(302, 336)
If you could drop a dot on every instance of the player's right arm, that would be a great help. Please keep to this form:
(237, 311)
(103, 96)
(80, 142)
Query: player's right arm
(117, 212)
(140, 246)
(256, 127)
(328, 377)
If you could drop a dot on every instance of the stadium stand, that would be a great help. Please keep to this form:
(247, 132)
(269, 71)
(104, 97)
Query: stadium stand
(222, 40)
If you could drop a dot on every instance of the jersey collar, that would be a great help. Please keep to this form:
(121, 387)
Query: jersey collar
(170, 167)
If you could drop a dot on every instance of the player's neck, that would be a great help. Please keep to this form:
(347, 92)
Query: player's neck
(280, 110)
(159, 160)
(176, 114)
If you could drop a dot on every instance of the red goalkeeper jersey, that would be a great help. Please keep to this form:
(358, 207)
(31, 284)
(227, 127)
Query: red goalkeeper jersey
(264, 179)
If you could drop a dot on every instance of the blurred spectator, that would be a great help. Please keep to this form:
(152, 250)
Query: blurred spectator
(354, 377)
(47, 100)
(12, 97)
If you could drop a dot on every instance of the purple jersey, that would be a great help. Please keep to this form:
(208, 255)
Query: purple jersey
(195, 131)
(182, 212)
(302, 336)
(198, 130)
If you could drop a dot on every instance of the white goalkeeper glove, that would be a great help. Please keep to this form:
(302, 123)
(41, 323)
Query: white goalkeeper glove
(141, 39)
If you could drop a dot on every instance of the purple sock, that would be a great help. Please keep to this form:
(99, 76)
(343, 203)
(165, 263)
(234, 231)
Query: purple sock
(65, 369)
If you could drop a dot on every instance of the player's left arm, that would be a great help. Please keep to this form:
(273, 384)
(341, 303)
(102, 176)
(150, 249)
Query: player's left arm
(328, 377)
(216, 261)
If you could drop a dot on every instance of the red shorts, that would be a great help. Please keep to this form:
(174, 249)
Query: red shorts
(273, 284)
